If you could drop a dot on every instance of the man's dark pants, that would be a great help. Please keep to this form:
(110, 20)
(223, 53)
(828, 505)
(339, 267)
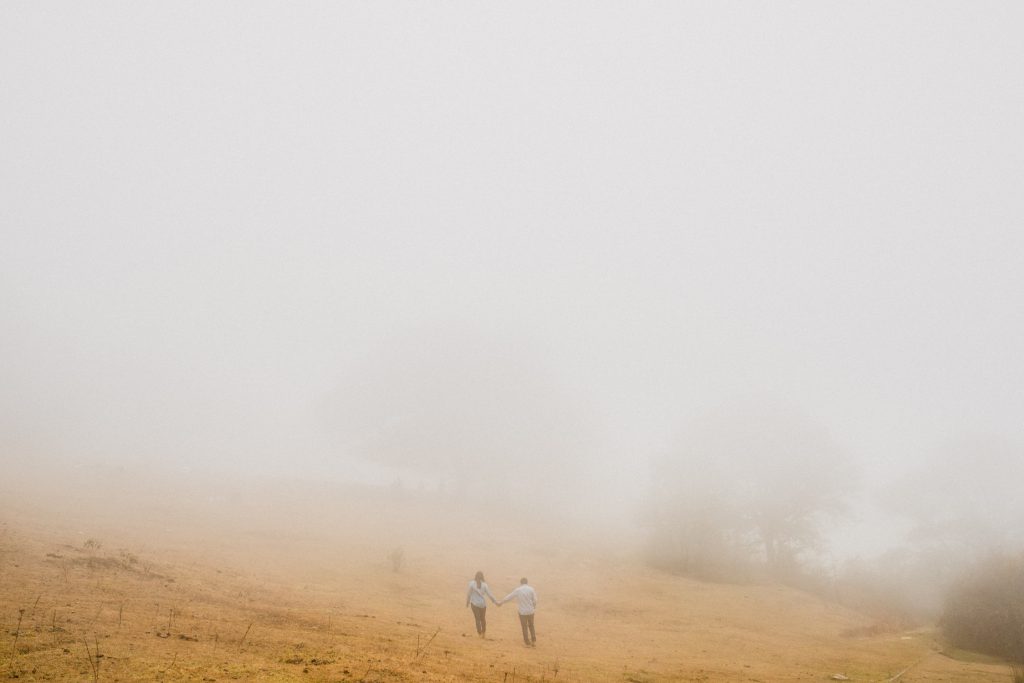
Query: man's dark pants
(526, 621)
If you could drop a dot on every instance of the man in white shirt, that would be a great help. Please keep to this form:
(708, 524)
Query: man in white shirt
(527, 599)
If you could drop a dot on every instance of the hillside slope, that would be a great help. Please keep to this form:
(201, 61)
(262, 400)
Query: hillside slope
(285, 585)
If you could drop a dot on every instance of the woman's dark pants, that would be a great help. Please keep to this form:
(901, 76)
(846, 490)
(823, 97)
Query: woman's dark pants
(480, 614)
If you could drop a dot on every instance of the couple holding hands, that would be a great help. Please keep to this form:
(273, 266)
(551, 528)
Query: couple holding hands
(524, 595)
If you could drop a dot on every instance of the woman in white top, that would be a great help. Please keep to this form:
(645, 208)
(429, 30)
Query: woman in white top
(475, 599)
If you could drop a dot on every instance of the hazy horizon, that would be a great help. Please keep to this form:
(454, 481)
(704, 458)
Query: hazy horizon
(470, 241)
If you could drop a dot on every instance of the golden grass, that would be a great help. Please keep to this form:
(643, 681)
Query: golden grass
(283, 587)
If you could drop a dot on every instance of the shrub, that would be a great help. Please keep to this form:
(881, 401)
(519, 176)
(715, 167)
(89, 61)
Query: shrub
(985, 609)
(397, 558)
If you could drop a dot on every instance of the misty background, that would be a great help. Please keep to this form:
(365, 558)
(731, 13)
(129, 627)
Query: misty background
(550, 255)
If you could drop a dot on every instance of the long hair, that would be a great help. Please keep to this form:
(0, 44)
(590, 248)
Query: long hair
(479, 579)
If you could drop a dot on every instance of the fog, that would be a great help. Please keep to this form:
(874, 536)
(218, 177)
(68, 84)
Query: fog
(530, 257)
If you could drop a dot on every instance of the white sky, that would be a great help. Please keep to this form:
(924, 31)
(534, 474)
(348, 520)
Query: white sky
(210, 212)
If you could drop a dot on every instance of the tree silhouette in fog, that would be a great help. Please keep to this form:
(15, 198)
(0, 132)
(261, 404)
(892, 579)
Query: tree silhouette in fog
(467, 409)
(964, 495)
(963, 503)
(746, 487)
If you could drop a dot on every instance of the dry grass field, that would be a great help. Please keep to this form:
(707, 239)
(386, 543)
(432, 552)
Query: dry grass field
(295, 583)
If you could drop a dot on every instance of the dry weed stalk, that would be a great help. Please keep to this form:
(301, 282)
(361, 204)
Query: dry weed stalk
(93, 658)
(423, 650)
(34, 605)
(242, 641)
(96, 617)
(171, 665)
(17, 633)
